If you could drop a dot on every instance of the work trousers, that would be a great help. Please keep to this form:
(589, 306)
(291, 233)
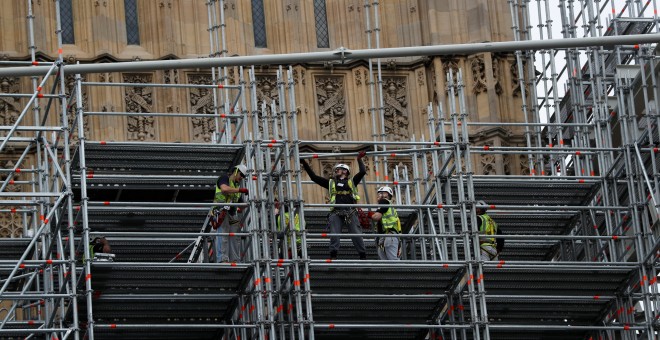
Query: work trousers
(388, 248)
(488, 253)
(337, 222)
(228, 248)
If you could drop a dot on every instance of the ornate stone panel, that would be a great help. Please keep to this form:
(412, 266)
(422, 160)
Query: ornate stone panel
(201, 101)
(72, 118)
(171, 76)
(395, 96)
(405, 169)
(268, 94)
(453, 65)
(331, 101)
(515, 82)
(10, 108)
(11, 224)
(139, 99)
(478, 68)
(496, 75)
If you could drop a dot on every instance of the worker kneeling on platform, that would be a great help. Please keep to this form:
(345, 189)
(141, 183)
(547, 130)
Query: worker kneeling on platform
(226, 219)
(486, 226)
(342, 190)
(387, 222)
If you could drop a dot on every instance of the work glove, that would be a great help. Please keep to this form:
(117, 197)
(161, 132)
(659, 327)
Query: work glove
(243, 191)
(361, 154)
(304, 164)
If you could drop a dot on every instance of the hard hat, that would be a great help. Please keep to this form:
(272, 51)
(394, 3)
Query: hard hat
(242, 169)
(342, 166)
(387, 190)
(481, 202)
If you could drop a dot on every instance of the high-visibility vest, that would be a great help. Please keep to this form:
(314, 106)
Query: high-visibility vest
(226, 198)
(391, 220)
(296, 223)
(332, 188)
(488, 227)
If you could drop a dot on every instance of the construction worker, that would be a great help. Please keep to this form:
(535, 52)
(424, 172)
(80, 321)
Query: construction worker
(225, 218)
(342, 189)
(387, 221)
(282, 232)
(486, 226)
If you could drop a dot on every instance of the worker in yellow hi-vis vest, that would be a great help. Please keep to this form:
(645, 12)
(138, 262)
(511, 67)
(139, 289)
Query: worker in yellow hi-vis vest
(388, 222)
(342, 189)
(226, 218)
(486, 226)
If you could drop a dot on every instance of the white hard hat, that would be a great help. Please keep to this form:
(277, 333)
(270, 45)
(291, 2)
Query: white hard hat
(242, 169)
(387, 190)
(481, 202)
(342, 166)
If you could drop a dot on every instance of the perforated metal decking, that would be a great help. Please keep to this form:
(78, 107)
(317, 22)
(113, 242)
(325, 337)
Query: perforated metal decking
(155, 172)
(379, 294)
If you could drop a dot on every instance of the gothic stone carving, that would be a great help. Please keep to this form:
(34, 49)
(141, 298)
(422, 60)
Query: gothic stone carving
(478, 74)
(139, 100)
(267, 94)
(515, 81)
(9, 107)
(488, 164)
(201, 101)
(404, 170)
(496, 75)
(396, 108)
(299, 76)
(331, 107)
(451, 64)
(171, 76)
(72, 116)
(11, 224)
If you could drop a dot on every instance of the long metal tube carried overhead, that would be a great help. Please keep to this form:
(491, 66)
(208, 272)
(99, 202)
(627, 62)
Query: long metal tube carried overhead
(342, 54)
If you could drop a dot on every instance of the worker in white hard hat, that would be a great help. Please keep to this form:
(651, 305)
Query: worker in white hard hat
(226, 219)
(486, 226)
(343, 189)
(387, 223)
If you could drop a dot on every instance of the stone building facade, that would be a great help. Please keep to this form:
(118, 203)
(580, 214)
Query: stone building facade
(333, 99)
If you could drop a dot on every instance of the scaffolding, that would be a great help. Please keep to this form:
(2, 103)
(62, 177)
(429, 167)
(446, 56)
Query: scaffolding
(582, 238)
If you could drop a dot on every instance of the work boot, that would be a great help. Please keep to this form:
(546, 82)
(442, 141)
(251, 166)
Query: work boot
(333, 255)
(363, 256)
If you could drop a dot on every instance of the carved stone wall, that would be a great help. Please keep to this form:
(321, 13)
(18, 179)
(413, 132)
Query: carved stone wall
(201, 102)
(395, 97)
(11, 223)
(331, 107)
(333, 100)
(10, 108)
(140, 100)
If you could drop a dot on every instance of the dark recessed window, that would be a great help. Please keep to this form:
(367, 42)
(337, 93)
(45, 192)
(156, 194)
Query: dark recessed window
(66, 20)
(132, 27)
(321, 17)
(259, 23)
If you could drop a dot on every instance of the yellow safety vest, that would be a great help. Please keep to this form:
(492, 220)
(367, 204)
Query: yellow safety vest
(296, 223)
(488, 227)
(332, 188)
(228, 198)
(391, 220)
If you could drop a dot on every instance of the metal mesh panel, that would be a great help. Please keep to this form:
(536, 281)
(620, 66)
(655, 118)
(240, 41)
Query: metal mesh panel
(66, 17)
(259, 23)
(132, 27)
(322, 38)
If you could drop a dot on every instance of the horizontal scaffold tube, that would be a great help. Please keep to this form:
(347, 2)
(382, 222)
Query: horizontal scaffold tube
(171, 325)
(341, 54)
(162, 114)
